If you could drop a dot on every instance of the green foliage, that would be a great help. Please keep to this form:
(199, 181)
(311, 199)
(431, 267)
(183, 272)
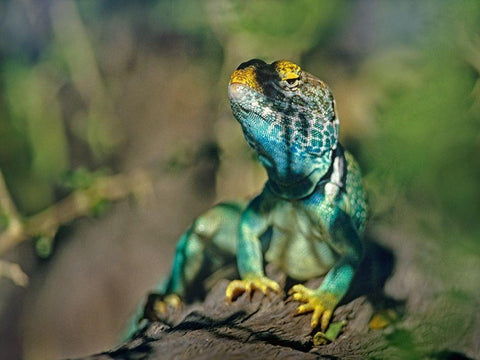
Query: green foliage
(290, 21)
(427, 132)
(184, 16)
(35, 121)
(44, 246)
(34, 140)
(273, 28)
(100, 208)
(4, 221)
(35, 111)
(80, 178)
(404, 342)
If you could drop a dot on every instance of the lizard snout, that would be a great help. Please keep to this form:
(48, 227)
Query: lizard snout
(236, 91)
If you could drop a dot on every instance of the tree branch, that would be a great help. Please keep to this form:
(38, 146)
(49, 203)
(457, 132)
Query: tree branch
(78, 204)
(13, 272)
(14, 231)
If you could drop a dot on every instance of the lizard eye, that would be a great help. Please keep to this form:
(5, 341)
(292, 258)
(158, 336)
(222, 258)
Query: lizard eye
(292, 82)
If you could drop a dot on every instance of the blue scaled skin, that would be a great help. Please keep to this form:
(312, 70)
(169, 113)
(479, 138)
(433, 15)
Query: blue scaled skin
(311, 213)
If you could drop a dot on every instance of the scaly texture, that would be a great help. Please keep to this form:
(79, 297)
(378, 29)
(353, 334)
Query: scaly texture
(310, 215)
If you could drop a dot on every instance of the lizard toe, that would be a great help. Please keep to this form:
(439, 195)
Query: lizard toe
(320, 303)
(238, 287)
(235, 289)
(326, 317)
(157, 305)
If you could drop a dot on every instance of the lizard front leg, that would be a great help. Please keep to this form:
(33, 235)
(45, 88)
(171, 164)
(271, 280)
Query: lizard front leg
(207, 245)
(323, 300)
(253, 224)
(189, 256)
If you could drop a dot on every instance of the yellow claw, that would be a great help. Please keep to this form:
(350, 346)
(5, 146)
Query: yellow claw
(322, 305)
(173, 300)
(238, 287)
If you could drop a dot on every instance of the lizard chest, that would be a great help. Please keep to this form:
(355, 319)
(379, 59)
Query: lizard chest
(299, 244)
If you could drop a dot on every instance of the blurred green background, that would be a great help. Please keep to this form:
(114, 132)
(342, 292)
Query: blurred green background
(117, 85)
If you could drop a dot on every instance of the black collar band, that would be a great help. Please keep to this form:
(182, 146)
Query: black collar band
(316, 179)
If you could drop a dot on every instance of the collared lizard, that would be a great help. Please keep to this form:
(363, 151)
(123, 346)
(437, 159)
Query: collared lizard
(311, 213)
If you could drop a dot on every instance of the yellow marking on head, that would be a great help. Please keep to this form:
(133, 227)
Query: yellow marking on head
(287, 70)
(247, 77)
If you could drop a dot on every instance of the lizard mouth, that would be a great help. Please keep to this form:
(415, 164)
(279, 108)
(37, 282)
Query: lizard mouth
(248, 103)
(247, 98)
(243, 98)
(236, 91)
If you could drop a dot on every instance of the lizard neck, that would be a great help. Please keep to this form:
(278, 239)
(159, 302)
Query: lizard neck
(332, 169)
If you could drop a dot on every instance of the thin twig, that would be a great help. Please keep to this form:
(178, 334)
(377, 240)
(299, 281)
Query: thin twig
(79, 203)
(14, 272)
(14, 231)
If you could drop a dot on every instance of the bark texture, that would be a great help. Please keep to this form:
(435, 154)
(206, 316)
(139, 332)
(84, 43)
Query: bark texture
(264, 327)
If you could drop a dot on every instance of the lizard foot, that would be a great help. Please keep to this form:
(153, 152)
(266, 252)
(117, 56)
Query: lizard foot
(238, 287)
(320, 303)
(157, 305)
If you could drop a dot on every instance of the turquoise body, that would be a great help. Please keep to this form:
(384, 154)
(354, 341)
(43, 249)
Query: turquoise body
(311, 213)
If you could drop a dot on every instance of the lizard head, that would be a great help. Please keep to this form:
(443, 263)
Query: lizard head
(287, 116)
